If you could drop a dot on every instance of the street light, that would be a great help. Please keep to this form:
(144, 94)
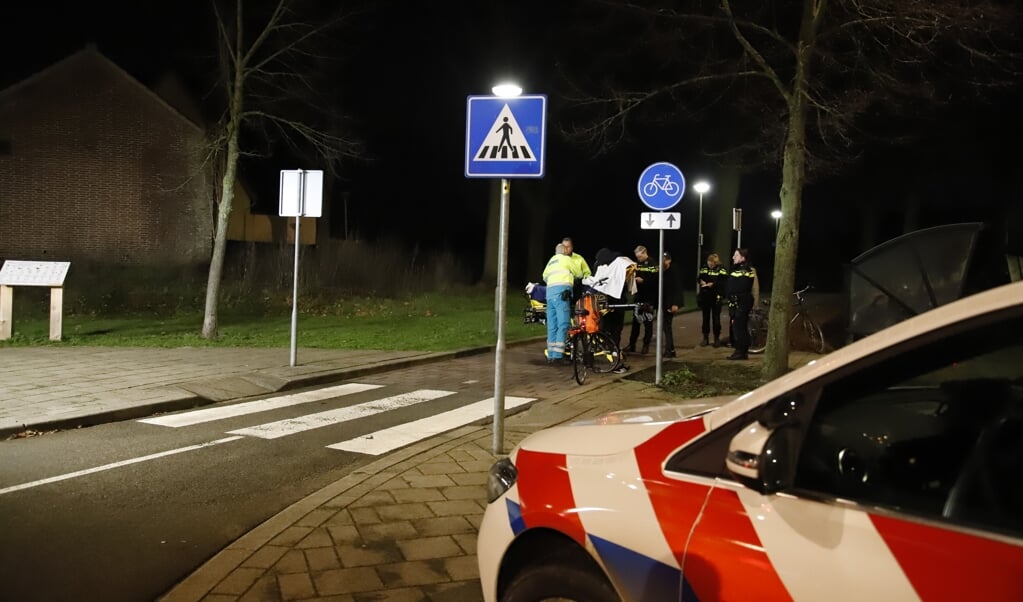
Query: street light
(507, 90)
(776, 214)
(700, 187)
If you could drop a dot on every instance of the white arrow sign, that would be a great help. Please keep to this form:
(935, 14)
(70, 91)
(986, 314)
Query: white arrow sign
(660, 221)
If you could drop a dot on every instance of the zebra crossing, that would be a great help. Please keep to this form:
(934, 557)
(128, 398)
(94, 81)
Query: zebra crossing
(373, 443)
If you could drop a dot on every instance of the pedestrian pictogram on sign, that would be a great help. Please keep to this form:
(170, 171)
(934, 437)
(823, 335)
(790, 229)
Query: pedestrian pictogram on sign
(505, 141)
(505, 137)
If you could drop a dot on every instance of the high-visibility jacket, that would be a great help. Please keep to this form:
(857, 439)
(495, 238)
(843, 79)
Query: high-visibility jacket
(579, 265)
(560, 271)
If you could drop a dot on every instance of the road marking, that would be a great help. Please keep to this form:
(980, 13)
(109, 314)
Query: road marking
(282, 428)
(87, 471)
(388, 439)
(260, 405)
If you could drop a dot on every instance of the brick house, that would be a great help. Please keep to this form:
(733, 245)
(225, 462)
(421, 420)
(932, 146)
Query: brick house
(94, 166)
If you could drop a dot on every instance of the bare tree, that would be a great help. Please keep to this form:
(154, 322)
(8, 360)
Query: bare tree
(268, 87)
(797, 84)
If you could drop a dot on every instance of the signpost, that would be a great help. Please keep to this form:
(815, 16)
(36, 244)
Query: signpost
(737, 225)
(33, 273)
(660, 187)
(505, 137)
(301, 195)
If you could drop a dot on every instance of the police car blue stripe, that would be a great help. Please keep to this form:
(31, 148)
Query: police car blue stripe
(641, 577)
(518, 525)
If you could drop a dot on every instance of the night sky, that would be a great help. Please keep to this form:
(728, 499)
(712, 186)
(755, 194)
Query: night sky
(407, 69)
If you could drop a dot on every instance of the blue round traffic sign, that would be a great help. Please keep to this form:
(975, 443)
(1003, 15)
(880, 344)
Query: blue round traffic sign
(661, 186)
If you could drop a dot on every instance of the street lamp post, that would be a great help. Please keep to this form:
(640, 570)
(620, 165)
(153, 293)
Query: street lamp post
(504, 90)
(776, 214)
(700, 187)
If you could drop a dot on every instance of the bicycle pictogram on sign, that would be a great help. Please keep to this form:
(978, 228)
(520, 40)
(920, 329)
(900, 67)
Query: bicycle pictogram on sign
(661, 186)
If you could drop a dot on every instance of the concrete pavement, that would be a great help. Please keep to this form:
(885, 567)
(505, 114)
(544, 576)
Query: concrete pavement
(402, 527)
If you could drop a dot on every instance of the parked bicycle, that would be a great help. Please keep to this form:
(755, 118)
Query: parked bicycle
(807, 332)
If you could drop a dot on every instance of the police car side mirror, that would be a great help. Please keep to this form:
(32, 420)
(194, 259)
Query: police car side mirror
(763, 459)
(779, 411)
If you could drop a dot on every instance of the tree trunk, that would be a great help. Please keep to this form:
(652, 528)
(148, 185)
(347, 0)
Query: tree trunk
(210, 324)
(776, 356)
(493, 233)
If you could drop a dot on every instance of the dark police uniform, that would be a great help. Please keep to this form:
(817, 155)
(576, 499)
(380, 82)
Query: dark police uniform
(739, 291)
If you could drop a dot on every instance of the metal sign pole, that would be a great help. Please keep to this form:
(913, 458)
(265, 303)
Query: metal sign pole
(660, 304)
(294, 291)
(502, 273)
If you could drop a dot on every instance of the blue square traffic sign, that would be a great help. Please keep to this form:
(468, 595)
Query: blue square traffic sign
(505, 137)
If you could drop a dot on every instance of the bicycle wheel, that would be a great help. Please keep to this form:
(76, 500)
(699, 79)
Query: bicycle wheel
(579, 352)
(606, 354)
(814, 335)
(757, 332)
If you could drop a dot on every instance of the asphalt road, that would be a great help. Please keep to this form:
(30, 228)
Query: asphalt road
(123, 511)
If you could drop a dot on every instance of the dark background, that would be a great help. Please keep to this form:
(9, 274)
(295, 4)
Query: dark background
(403, 74)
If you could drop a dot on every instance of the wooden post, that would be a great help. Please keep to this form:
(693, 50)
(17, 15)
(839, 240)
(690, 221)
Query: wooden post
(33, 273)
(6, 304)
(56, 312)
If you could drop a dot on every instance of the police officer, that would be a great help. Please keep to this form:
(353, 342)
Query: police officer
(646, 295)
(739, 291)
(673, 302)
(711, 282)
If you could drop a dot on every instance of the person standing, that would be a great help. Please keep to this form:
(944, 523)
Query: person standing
(646, 294)
(559, 275)
(579, 265)
(615, 278)
(673, 302)
(739, 291)
(711, 282)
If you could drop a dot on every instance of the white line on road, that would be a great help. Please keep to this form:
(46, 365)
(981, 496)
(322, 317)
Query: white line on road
(260, 405)
(82, 473)
(385, 440)
(282, 428)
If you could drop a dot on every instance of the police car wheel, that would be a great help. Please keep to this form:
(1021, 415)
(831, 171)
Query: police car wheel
(564, 582)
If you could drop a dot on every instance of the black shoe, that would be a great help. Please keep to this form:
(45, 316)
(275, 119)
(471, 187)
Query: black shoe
(717, 342)
(669, 353)
(630, 349)
(704, 342)
(646, 349)
(737, 356)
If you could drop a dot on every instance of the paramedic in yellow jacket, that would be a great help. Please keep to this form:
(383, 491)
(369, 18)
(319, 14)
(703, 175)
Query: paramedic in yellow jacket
(559, 275)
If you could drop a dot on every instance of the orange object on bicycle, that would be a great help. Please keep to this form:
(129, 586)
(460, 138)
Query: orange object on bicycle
(592, 303)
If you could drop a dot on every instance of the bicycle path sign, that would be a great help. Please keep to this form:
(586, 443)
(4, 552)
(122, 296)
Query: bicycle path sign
(505, 137)
(661, 186)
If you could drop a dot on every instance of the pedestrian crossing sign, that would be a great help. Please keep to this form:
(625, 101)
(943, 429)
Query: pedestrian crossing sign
(505, 137)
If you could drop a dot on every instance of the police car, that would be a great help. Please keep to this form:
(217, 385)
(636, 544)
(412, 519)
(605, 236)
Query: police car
(891, 469)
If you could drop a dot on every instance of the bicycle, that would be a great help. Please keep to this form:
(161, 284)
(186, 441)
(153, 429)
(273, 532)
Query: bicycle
(808, 328)
(591, 349)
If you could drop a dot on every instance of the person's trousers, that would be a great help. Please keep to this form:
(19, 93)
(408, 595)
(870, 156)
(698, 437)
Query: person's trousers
(740, 329)
(613, 322)
(648, 332)
(711, 318)
(666, 330)
(559, 316)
